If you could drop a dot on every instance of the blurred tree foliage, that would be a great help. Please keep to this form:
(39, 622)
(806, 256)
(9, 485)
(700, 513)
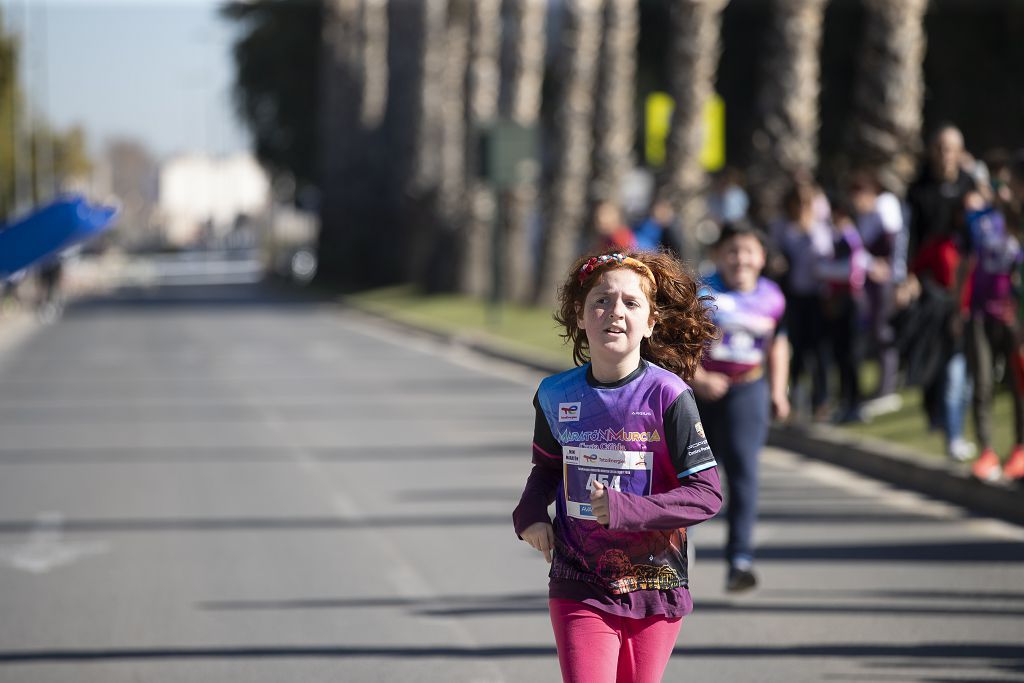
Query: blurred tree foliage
(35, 159)
(70, 154)
(9, 97)
(277, 67)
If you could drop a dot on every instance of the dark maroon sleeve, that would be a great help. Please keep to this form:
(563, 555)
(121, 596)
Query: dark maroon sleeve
(544, 479)
(698, 498)
(538, 494)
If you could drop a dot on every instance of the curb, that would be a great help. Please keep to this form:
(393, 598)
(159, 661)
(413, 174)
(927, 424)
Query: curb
(902, 467)
(935, 477)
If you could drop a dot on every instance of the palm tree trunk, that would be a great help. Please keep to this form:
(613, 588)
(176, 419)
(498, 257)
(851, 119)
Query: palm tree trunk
(523, 74)
(374, 25)
(426, 64)
(443, 248)
(696, 46)
(785, 143)
(414, 114)
(483, 86)
(614, 117)
(888, 97)
(453, 116)
(565, 197)
(342, 135)
(523, 64)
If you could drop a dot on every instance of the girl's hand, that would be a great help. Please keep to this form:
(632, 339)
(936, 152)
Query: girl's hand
(541, 536)
(599, 503)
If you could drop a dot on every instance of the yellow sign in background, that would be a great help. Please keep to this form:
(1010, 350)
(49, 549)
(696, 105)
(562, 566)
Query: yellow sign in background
(658, 121)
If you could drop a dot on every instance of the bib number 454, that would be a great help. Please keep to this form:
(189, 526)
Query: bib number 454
(610, 481)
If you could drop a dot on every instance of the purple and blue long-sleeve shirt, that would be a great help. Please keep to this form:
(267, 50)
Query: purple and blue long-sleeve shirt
(642, 438)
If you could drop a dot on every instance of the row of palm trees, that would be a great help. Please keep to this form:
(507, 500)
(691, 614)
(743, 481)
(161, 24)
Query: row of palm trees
(409, 85)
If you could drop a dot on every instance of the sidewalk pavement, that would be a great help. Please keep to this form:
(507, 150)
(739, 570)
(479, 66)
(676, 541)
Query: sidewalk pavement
(933, 476)
(16, 326)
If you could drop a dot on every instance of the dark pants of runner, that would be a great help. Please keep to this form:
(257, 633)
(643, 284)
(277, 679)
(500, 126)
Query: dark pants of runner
(737, 427)
(986, 339)
(806, 331)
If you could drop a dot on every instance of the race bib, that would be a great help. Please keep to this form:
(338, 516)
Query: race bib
(626, 471)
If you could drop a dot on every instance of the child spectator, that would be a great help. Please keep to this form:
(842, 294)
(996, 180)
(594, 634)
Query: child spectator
(843, 275)
(803, 240)
(879, 218)
(612, 232)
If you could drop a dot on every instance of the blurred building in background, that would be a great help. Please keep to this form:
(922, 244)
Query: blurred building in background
(127, 173)
(204, 200)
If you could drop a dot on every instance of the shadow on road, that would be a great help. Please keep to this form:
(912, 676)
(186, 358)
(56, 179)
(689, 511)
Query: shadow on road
(1008, 658)
(532, 603)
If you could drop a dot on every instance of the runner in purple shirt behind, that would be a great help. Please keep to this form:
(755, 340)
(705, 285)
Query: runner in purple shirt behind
(733, 394)
(619, 447)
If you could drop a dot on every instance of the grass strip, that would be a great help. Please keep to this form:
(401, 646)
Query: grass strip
(533, 331)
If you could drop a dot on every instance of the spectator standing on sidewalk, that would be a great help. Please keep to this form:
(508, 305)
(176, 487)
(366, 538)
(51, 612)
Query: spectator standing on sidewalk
(994, 256)
(939, 363)
(937, 194)
(879, 218)
(1012, 204)
(51, 299)
(727, 200)
(618, 443)
(804, 240)
(610, 230)
(843, 275)
(734, 397)
(934, 203)
(658, 230)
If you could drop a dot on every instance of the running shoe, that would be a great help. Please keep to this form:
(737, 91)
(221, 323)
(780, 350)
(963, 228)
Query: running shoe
(960, 449)
(740, 580)
(1014, 468)
(986, 467)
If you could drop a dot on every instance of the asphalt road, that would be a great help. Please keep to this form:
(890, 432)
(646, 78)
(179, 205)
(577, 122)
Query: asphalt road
(221, 484)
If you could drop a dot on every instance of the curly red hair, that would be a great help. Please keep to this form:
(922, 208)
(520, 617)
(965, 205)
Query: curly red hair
(684, 327)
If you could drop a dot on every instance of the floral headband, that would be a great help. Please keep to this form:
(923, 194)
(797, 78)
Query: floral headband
(596, 262)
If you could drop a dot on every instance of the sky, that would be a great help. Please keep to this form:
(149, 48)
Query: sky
(156, 71)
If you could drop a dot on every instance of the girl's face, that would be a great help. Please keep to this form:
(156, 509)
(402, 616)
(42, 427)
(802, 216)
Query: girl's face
(616, 317)
(740, 261)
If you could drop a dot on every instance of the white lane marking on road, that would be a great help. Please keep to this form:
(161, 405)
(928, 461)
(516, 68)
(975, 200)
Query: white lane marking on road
(405, 579)
(46, 550)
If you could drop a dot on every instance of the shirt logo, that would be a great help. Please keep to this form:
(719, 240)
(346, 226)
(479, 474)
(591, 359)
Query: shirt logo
(569, 412)
(699, 428)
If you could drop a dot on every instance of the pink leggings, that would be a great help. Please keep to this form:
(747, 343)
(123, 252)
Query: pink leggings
(597, 647)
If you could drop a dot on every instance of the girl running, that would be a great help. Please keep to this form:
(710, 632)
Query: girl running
(618, 444)
(735, 398)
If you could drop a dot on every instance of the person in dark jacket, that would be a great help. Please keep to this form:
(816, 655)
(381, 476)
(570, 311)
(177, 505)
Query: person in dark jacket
(937, 195)
(935, 201)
